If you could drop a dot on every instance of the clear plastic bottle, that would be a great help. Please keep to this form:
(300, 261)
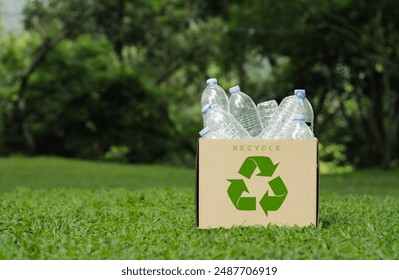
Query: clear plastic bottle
(243, 108)
(206, 133)
(214, 94)
(298, 129)
(279, 122)
(309, 115)
(265, 111)
(223, 123)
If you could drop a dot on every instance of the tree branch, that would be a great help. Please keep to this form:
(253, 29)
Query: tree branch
(47, 45)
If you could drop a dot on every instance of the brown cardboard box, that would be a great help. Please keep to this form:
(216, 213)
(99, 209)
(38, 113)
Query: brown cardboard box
(257, 182)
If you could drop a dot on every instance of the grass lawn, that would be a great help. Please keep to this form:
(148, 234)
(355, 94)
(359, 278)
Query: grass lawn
(55, 208)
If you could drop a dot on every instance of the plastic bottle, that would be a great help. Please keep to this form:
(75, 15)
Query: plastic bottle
(265, 111)
(214, 94)
(223, 123)
(309, 115)
(279, 122)
(242, 107)
(206, 133)
(298, 129)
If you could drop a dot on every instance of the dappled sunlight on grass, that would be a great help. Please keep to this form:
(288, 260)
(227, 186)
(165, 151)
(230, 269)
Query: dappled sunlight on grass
(331, 168)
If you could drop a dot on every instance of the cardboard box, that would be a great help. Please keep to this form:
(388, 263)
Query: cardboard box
(257, 182)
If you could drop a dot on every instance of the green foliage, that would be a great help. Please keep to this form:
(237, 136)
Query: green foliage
(341, 52)
(117, 153)
(81, 101)
(47, 172)
(113, 62)
(142, 65)
(114, 211)
(333, 159)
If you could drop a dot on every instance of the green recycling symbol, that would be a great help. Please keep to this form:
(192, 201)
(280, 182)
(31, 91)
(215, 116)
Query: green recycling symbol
(267, 202)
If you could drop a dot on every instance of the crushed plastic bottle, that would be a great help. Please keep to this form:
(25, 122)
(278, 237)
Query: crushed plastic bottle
(265, 111)
(223, 123)
(279, 122)
(243, 108)
(215, 95)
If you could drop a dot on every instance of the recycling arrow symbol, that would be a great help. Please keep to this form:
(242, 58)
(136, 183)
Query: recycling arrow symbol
(236, 189)
(266, 169)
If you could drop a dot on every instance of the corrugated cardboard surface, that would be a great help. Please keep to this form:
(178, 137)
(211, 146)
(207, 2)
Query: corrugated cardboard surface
(220, 160)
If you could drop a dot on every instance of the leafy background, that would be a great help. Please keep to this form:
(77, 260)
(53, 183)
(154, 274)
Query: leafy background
(121, 80)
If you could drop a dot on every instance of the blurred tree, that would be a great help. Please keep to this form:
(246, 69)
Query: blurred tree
(80, 103)
(50, 38)
(148, 71)
(356, 56)
(344, 53)
(164, 39)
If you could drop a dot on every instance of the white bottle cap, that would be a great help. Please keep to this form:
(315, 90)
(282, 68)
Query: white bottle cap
(301, 93)
(204, 131)
(206, 108)
(211, 80)
(234, 89)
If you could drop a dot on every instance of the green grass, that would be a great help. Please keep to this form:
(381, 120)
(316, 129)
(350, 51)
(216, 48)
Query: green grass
(69, 209)
(47, 172)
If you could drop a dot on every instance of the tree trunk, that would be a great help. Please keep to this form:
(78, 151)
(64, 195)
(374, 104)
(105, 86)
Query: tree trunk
(391, 128)
(21, 101)
(47, 45)
(120, 40)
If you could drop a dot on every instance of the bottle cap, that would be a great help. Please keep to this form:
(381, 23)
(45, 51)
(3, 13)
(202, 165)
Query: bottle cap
(206, 108)
(234, 89)
(211, 81)
(204, 131)
(301, 93)
(299, 117)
